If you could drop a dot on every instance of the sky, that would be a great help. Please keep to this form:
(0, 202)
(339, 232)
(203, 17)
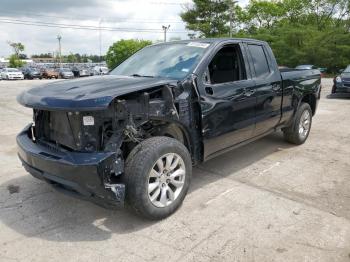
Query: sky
(122, 19)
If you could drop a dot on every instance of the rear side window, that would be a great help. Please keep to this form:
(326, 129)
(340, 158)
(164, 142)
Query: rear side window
(261, 65)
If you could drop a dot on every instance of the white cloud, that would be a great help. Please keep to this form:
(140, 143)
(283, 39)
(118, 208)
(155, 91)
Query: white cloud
(149, 15)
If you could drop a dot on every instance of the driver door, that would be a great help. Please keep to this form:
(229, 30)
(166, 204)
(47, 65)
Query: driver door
(228, 100)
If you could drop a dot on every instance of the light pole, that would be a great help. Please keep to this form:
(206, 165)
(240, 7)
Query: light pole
(231, 10)
(165, 29)
(59, 49)
(100, 40)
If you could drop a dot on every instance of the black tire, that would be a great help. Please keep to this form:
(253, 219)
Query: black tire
(334, 89)
(291, 133)
(137, 168)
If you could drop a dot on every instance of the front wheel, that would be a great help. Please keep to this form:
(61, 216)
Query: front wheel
(158, 174)
(299, 131)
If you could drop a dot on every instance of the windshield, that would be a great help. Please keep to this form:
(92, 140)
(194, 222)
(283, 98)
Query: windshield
(304, 67)
(65, 70)
(169, 61)
(12, 70)
(347, 70)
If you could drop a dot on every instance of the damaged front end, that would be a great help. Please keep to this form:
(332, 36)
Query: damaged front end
(83, 152)
(76, 166)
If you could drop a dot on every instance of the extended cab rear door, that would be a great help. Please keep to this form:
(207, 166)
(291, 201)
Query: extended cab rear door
(268, 87)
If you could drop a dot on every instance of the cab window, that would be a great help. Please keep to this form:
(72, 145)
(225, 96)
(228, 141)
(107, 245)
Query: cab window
(260, 63)
(226, 66)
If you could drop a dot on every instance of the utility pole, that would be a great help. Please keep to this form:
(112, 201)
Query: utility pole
(100, 40)
(59, 49)
(231, 10)
(165, 29)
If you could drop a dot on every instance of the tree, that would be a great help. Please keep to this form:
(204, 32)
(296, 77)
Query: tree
(301, 31)
(71, 58)
(23, 56)
(47, 55)
(15, 62)
(17, 47)
(209, 18)
(123, 49)
(264, 13)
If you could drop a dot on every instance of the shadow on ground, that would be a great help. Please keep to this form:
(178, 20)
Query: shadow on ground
(32, 208)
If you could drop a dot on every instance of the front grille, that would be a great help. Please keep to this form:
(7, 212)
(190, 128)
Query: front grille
(65, 129)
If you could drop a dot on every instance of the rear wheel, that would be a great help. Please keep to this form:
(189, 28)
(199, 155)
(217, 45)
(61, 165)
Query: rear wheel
(158, 174)
(299, 131)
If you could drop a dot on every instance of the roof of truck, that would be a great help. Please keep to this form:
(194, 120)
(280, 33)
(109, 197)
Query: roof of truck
(214, 40)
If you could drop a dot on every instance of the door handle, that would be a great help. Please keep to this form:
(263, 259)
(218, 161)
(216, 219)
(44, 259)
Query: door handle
(209, 90)
(249, 92)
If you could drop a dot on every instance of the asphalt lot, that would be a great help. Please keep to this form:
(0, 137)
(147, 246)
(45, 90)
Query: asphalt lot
(267, 201)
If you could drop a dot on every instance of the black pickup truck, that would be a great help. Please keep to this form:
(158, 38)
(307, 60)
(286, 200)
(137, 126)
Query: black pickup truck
(135, 133)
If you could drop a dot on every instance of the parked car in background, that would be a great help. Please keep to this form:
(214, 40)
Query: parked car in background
(65, 73)
(80, 72)
(12, 74)
(308, 67)
(342, 82)
(283, 67)
(49, 73)
(100, 70)
(31, 73)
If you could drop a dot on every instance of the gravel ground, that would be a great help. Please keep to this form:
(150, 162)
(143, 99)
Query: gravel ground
(267, 201)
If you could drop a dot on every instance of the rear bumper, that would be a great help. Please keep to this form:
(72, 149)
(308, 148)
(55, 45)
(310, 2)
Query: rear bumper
(78, 174)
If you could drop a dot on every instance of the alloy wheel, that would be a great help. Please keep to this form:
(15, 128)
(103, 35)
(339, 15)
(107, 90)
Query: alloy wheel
(166, 180)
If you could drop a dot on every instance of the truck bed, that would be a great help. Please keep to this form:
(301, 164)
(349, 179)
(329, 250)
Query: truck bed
(295, 74)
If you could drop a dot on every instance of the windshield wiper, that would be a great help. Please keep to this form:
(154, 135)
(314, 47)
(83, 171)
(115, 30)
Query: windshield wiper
(137, 75)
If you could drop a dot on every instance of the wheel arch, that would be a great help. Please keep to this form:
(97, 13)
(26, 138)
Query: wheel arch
(173, 129)
(311, 100)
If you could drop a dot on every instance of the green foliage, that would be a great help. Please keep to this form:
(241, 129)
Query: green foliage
(15, 59)
(71, 58)
(207, 17)
(47, 55)
(299, 31)
(123, 49)
(17, 47)
(264, 13)
(15, 62)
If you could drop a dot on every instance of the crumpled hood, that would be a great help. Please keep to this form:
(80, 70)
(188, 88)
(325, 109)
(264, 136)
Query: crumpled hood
(93, 93)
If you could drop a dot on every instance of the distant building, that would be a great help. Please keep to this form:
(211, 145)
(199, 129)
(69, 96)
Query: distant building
(28, 61)
(3, 60)
(44, 60)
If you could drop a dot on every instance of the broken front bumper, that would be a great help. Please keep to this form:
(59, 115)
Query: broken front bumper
(79, 174)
